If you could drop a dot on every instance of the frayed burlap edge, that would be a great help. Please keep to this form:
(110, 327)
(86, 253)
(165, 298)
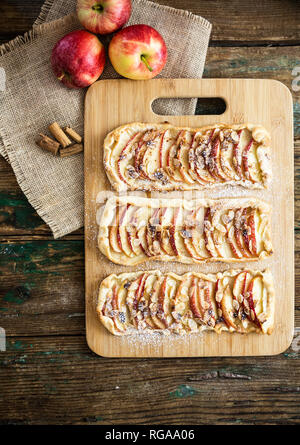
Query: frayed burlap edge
(35, 32)
(42, 18)
(5, 144)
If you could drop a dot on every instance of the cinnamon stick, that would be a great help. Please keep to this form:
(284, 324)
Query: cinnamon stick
(58, 133)
(48, 144)
(73, 134)
(71, 150)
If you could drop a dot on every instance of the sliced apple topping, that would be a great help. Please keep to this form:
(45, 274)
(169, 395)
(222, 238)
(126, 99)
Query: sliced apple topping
(162, 157)
(237, 155)
(186, 231)
(215, 164)
(228, 140)
(234, 301)
(251, 225)
(254, 298)
(207, 233)
(156, 314)
(126, 155)
(239, 226)
(228, 307)
(172, 162)
(115, 314)
(183, 157)
(207, 302)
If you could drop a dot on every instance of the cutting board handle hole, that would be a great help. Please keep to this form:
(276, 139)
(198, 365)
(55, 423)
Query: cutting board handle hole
(164, 106)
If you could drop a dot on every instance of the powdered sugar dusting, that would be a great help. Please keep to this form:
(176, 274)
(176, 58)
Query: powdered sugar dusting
(138, 339)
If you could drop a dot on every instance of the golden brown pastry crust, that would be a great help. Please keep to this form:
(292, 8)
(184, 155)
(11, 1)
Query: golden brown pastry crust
(233, 301)
(160, 157)
(133, 229)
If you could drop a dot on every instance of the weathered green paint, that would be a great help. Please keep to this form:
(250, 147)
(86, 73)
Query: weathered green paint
(292, 355)
(183, 391)
(50, 389)
(93, 419)
(297, 118)
(17, 345)
(16, 211)
(49, 352)
(18, 295)
(243, 370)
(38, 257)
(52, 356)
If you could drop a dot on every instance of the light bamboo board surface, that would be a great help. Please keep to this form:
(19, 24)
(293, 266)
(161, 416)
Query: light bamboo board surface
(110, 103)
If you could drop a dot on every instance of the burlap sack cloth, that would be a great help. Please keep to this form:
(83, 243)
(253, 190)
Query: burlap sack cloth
(33, 99)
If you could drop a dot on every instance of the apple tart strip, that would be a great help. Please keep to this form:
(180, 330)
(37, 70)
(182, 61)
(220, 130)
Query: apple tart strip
(161, 157)
(232, 301)
(135, 229)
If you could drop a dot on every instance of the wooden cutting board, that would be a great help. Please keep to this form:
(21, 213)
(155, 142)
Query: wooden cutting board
(110, 103)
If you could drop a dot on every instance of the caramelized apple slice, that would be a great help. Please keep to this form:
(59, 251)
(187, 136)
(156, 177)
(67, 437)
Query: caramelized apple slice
(240, 285)
(154, 307)
(133, 241)
(245, 158)
(144, 302)
(172, 163)
(250, 162)
(122, 238)
(124, 154)
(202, 161)
(239, 222)
(194, 301)
(172, 230)
(197, 239)
(115, 308)
(226, 156)
(232, 243)
(187, 236)
(183, 157)
(254, 293)
(194, 165)
(163, 303)
(237, 156)
(149, 158)
(218, 240)
(161, 147)
(137, 297)
(252, 242)
(207, 303)
(140, 147)
(214, 165)
(162, 234)
(114, 230)
(207, 234)
(228, 311)
(113, 239)
(142, 236)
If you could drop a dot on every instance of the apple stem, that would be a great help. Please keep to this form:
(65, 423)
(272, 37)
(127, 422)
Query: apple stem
(61, 76)
(98, 7)
(143, 58)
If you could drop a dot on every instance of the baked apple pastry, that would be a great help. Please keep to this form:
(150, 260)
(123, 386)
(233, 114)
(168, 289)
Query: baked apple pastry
(161, 157)
(234, 301)
(135, 229)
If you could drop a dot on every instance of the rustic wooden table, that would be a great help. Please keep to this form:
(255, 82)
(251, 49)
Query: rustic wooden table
(48, 374)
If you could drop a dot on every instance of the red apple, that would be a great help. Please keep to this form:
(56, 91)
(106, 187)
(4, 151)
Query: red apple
(103, 16)
(78, 59)
(138, 52)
